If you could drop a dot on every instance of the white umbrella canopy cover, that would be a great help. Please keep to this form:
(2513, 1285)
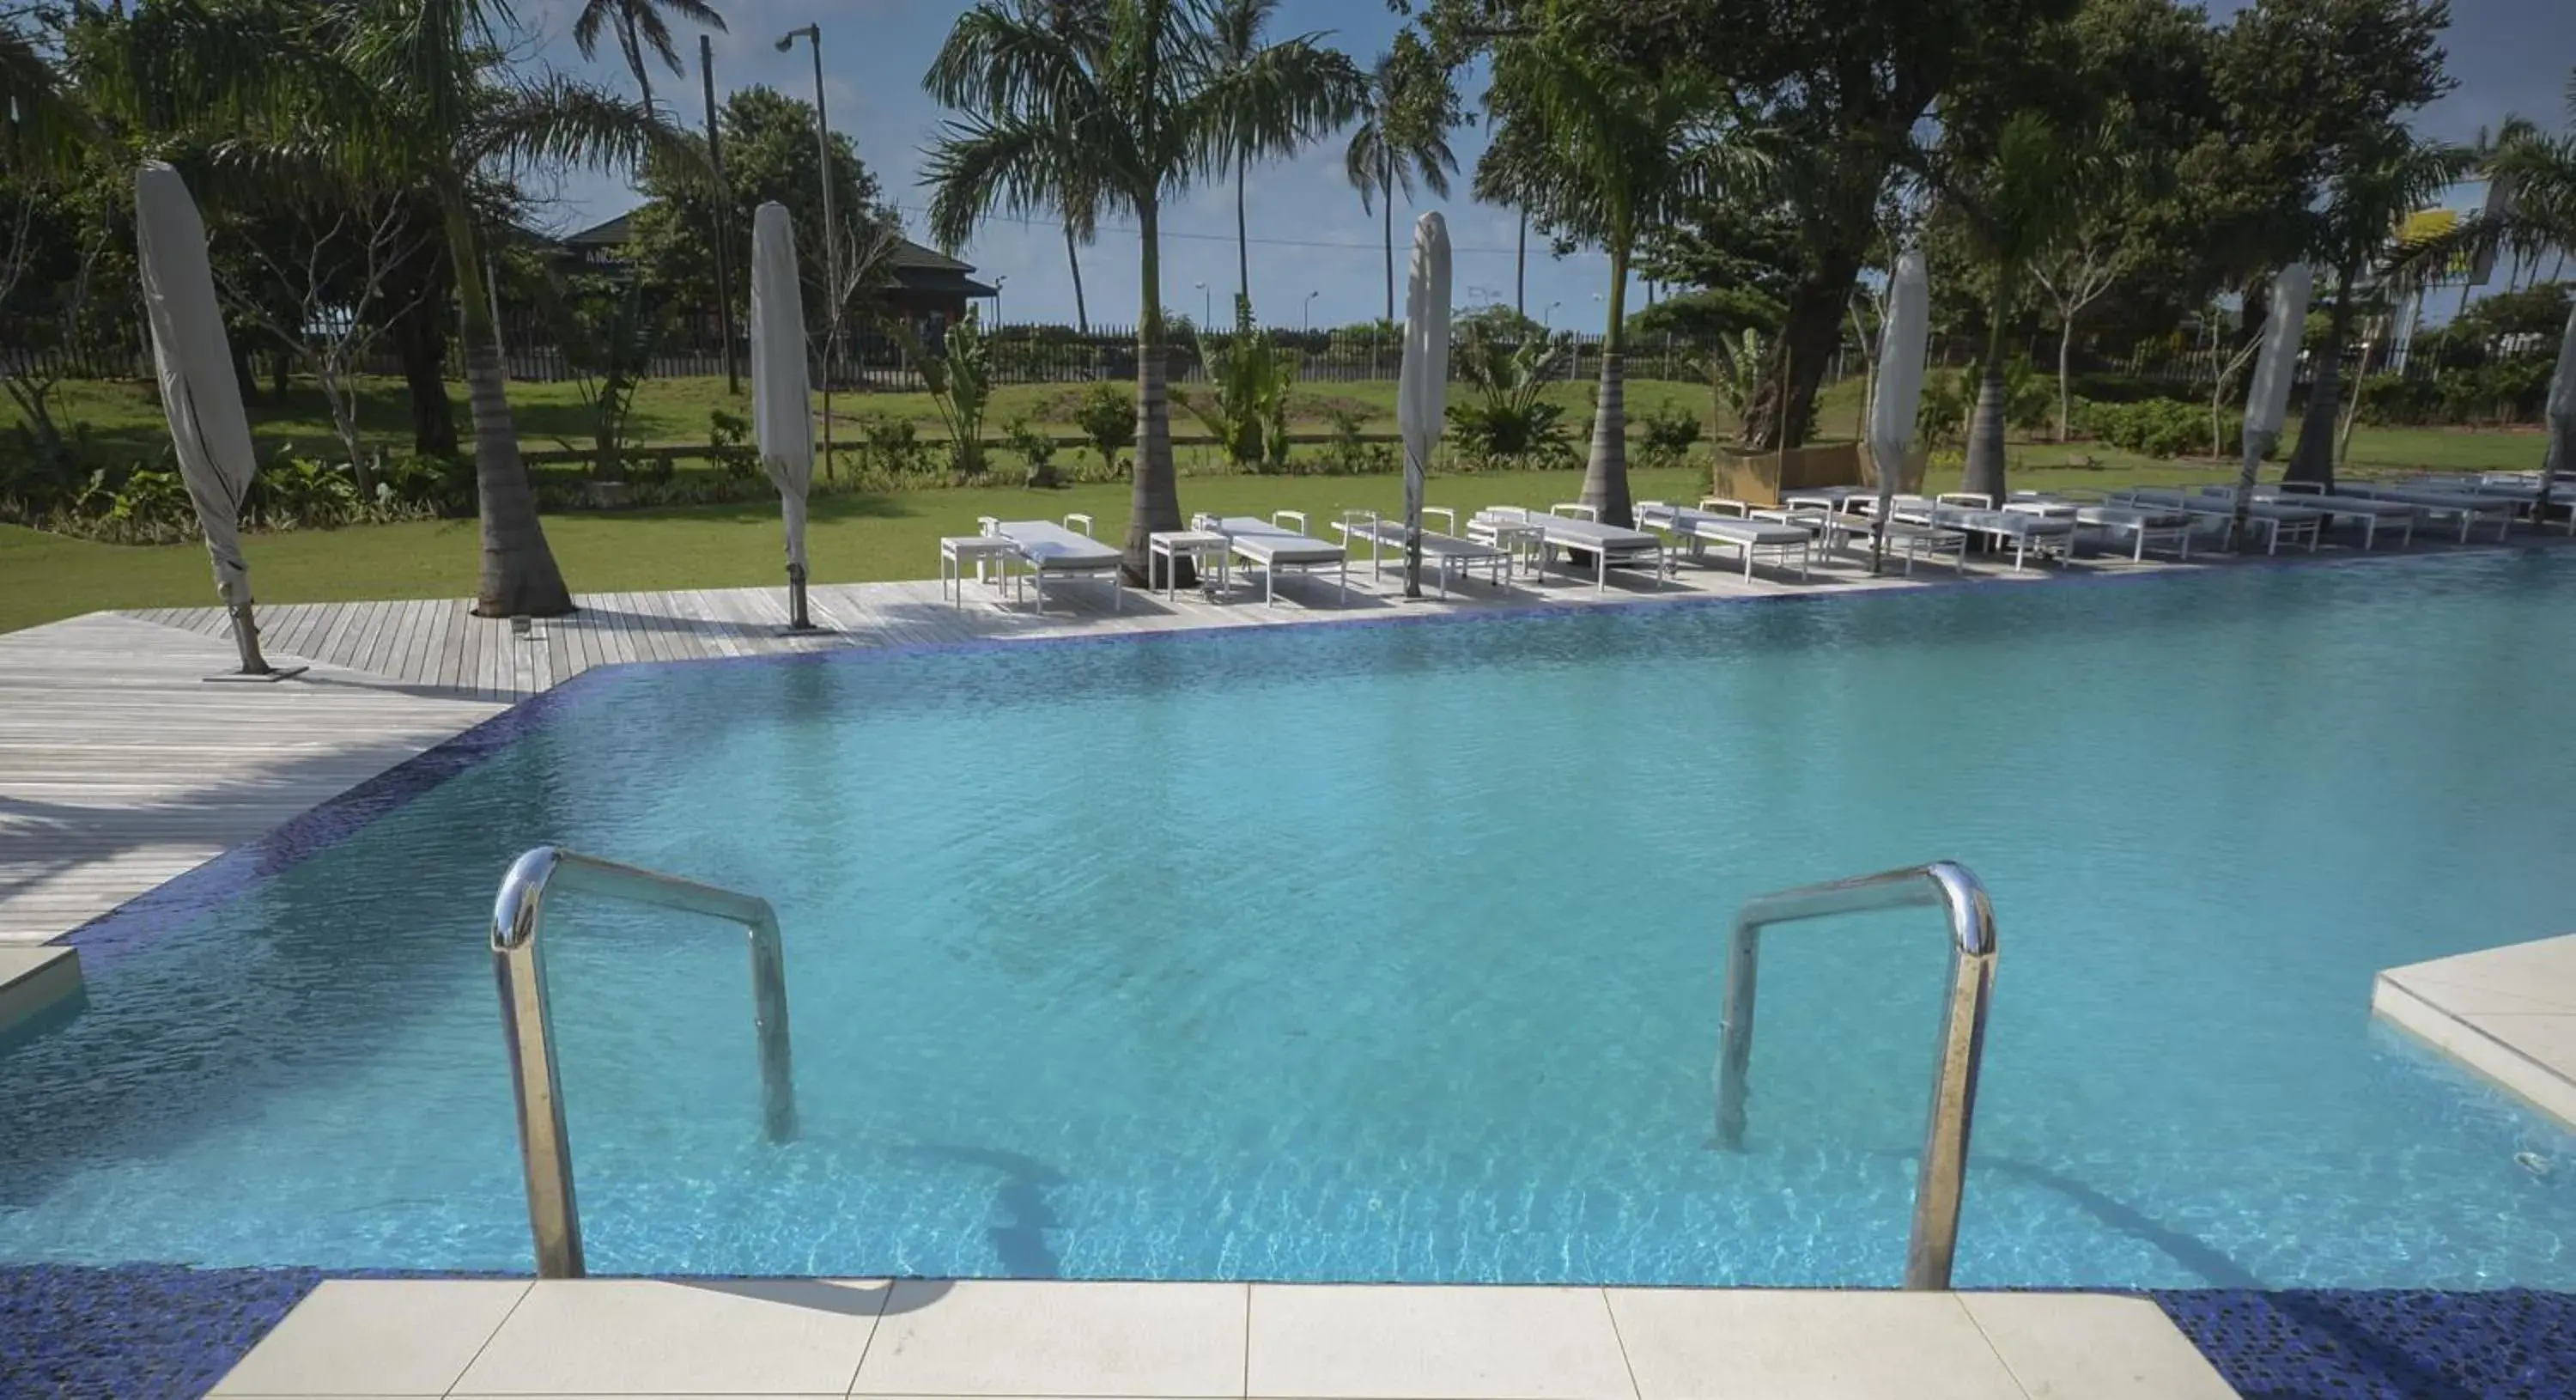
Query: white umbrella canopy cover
(782, 412)
(2267, 399)
(2561, 457)
(199, 393)
(1898, 395)
(1422, 384)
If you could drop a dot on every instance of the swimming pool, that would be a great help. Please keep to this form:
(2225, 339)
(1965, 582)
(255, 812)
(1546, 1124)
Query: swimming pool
(1391, 953)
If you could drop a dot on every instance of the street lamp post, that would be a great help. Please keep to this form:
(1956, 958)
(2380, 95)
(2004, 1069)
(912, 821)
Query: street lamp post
(813, 34)
(724, 215)
(1308, 311)
(1547, 318)
(1206, 306)
(997, 296)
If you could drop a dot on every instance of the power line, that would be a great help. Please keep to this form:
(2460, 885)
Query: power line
(1226, 237)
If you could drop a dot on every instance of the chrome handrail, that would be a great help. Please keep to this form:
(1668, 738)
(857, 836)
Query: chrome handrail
(518, 961)
(1942, 1176)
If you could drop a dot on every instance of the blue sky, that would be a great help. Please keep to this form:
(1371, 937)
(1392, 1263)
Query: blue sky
(2509, 55)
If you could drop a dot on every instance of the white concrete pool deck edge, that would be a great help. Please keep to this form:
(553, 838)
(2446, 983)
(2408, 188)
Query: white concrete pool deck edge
(792, 1337)
(34, 980)
(2508, 1013)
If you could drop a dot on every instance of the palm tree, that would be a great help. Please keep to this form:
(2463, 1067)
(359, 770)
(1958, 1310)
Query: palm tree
(1406, 108)
(1604, 152)
(413, 93)
(1257, 128)
(1132, 110)
(639, 26)
(2013, 200)
(2379, 182)
(41, 122)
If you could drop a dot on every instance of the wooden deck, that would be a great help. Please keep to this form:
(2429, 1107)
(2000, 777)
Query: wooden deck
(120, 766)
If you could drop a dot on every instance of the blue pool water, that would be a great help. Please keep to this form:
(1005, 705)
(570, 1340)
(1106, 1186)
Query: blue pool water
(1392, 953)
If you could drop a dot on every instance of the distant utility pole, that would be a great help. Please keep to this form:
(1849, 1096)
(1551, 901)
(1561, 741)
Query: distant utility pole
(724, 215)
(831, 231)
(1520, 271)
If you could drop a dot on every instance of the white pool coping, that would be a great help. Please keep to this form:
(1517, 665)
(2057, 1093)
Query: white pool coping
(34, 980)
(806, 1337)
(2509, 1013)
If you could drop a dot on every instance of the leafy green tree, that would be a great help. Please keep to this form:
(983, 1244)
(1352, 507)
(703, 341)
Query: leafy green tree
(1402, 137)
(1605, 152)
(770, 154)
(643, 35)
(1137, 111)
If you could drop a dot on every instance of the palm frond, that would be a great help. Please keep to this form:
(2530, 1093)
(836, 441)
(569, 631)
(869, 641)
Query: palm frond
(41, 122)
(982, 167)
(558, 120)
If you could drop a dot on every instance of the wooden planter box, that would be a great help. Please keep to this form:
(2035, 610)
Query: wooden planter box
(1761, 477)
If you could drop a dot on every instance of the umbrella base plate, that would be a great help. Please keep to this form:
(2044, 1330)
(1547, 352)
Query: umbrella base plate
(269, 676)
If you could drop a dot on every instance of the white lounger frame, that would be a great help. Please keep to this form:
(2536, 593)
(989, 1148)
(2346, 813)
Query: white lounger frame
(1446, 551)
(1257, 550)
(1730, 524)
(1041, 566)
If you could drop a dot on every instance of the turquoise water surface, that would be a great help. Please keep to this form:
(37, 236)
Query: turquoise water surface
(1393, 953)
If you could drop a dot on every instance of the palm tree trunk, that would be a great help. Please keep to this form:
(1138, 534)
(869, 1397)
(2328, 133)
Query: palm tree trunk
(1155, 502)
(1985, 473)
(1605, 474)
(2315, 458)
(1073, 259)
(1386, 201)
(519, 572)
(1242, 241)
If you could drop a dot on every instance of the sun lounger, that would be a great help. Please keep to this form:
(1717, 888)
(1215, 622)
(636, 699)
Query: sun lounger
(1737, 531)
(2027, 532)
(2145, 527)
(1446, 552)
(1270, 546)
(1904, 531)
(1065, 550)
(2465, 507)
(2273, 519)
(2366, 513)
(2522, 489)
(1569, 529)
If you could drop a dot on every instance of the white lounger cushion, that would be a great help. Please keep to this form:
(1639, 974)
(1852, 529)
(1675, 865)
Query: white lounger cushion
(1048, 545)
(1266, 543)
(1733, 529)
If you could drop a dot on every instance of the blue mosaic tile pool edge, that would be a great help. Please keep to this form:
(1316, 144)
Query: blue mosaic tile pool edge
(149, 1331)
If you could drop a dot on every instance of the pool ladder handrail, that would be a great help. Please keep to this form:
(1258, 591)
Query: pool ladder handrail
(1941, 1177)
(518, 962)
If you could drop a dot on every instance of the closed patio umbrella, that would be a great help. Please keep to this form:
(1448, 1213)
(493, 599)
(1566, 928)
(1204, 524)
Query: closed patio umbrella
(2561, 453)
(782, 409)
(1422, 384)
(199, 394)
(2267, 399)
(1902, 340)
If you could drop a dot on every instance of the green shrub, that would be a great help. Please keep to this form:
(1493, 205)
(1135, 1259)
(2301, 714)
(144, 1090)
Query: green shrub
(734, 455)
(2163, 427)
(1037, 449)
(890, 445)
(435, 485)
(1508, 424)
(1666, 436)
(302, 491)
(1348, 454)
(1107, 417)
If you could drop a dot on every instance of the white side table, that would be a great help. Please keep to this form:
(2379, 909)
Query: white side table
(958, 553)
(1199, 547)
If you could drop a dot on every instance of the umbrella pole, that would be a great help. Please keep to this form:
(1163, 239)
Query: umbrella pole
(797, 621)
(254, 667)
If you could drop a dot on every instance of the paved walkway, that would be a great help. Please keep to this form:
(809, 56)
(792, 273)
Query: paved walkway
(1324, 1342)
(2508, 1013)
